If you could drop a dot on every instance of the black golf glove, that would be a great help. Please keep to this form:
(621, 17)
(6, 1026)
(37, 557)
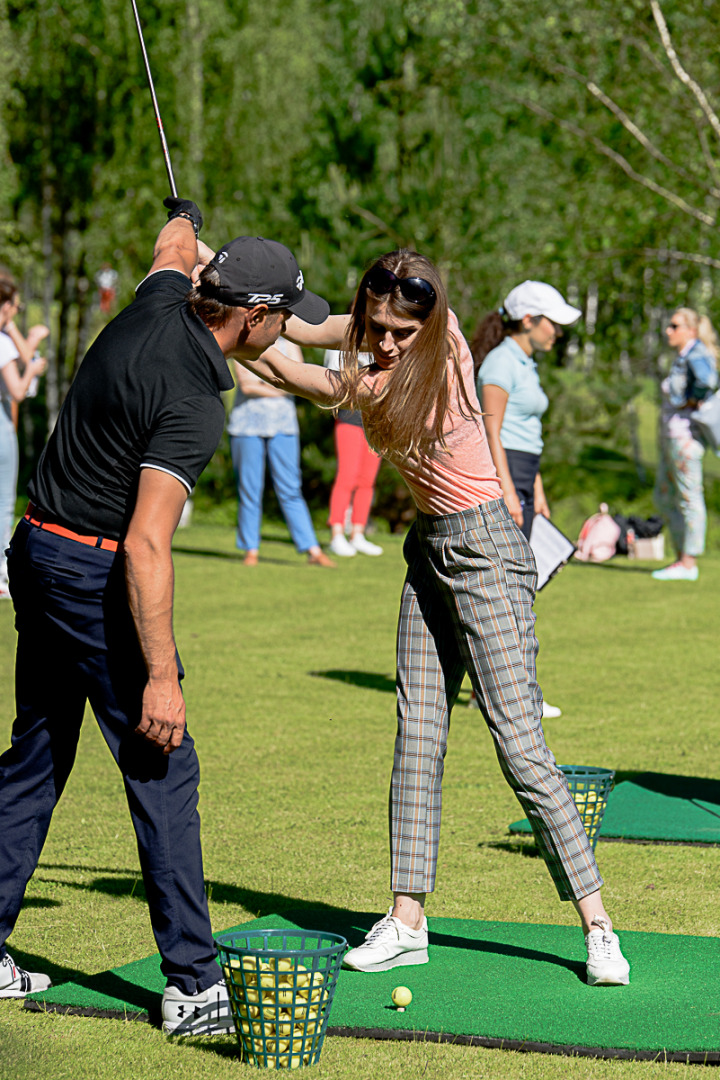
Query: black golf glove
(186, 209)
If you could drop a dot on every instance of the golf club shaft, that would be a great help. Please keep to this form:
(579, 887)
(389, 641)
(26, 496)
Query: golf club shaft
(161, 131)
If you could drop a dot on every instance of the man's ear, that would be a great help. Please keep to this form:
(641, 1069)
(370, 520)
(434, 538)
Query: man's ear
(256, 315)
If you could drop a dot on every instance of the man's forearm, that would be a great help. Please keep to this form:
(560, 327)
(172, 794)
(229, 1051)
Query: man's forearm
(150, 583)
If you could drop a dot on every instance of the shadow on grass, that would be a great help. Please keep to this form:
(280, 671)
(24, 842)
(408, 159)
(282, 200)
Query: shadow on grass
(623, 568)
(369, 680)
(232, 556)
(527, 848)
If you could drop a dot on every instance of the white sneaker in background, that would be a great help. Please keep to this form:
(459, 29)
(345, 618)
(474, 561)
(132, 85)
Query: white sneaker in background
(15, 982)
(207, 1013)
(551, 712)
(389, 944)
(341, 546)
(363, 546)
(606, 965)
(676, 572)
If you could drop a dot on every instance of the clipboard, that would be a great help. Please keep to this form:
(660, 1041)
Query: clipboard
(551, 548)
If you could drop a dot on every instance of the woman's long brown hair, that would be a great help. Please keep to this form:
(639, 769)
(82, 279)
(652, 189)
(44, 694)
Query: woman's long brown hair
(407, 415)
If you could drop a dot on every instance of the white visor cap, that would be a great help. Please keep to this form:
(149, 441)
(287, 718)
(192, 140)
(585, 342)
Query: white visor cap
(538, 298)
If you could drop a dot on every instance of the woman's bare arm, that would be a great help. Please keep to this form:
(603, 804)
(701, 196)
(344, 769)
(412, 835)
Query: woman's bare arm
(310, 381)
(326, 335)
(494, 403)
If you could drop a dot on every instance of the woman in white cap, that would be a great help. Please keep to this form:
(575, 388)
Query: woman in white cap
(530, 320)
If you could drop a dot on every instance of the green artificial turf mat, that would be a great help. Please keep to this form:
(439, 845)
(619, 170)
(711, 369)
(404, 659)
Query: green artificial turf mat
(516, 985)
(661, 807)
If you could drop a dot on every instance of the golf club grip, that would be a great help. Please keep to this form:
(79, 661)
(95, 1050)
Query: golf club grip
(161, 130)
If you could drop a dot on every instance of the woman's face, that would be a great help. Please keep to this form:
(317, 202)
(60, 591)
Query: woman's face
(678, 332)
(543, 334)
(9, 309)
(387, 334)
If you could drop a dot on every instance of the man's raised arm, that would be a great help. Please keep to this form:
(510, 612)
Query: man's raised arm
(176, 248)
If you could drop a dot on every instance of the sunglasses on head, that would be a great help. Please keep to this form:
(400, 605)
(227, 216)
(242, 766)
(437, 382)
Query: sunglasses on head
(415, 289)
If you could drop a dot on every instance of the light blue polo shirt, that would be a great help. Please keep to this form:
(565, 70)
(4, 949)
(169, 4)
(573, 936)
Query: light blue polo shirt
(508, 367)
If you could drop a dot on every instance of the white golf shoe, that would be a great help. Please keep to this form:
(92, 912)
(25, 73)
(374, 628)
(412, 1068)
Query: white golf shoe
(363, 546)
(341, 546)
(207, 1013)
(550, 712)
(15, 982)
(389, 944)
(606, 965)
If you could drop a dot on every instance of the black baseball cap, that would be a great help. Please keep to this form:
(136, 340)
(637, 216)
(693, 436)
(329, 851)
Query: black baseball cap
(257, 271)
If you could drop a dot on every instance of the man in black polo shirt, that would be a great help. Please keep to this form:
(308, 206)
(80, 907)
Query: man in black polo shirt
(91, 577)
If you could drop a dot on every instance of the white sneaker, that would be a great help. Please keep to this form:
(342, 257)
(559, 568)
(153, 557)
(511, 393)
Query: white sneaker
(389, 944)
(207, 1013)
(606, 965)
(15, 982)
(676, 572)
(551, 712)
(363, 546)
(341, 546)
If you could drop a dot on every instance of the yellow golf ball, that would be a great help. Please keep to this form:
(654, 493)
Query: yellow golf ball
(401, 997)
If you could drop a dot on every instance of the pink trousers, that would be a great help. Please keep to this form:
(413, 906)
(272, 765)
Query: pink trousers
(357, 467)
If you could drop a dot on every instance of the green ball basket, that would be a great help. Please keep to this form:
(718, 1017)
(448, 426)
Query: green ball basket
(590, 788)
(281, 985)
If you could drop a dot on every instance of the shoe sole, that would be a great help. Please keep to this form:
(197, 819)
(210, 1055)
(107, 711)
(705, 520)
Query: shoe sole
(608, 980)
(408, 959)
(200, 1026)
(20, 993)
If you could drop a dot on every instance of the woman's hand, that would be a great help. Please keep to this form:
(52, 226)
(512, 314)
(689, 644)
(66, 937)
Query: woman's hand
(514, 507)
(36, 334)
(541, 507)
(539, 501)
(38, 365)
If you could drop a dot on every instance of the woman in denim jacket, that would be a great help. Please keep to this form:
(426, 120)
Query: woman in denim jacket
(679, 484)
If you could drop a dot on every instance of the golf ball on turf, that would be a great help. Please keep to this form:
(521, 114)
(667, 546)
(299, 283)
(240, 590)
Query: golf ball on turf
(401, 997)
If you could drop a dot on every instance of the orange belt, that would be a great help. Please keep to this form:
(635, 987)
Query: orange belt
(35, 518)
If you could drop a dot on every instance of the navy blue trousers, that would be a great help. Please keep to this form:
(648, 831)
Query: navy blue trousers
(523, 470)
(77, 643)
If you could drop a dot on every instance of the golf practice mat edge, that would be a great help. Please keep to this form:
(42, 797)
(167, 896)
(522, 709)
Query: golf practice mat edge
(516, 986)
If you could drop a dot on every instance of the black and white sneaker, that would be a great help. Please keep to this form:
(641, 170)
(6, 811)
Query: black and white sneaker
(207, 1013)
(15, 982)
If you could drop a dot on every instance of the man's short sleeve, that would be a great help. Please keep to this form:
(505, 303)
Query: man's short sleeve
(185, 438)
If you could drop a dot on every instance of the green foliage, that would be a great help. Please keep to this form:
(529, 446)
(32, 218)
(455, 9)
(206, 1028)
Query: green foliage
(552, 141)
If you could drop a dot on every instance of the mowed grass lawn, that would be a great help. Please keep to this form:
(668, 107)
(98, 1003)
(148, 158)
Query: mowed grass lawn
(290, 699)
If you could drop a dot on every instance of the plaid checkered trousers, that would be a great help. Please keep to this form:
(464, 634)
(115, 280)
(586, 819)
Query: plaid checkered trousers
(467, 607)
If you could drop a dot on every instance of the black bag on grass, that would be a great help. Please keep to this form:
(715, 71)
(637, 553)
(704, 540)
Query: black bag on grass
(643, 528)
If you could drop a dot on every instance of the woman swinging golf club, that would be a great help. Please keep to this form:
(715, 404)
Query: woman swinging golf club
(466, 604)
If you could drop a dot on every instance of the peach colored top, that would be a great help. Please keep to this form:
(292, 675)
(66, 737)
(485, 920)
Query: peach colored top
(463, 475)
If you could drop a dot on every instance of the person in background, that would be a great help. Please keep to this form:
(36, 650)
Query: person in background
(16, 380)
(530, 319)
(106, 280)
(263, 425)
(354, 485)
(679, 482)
